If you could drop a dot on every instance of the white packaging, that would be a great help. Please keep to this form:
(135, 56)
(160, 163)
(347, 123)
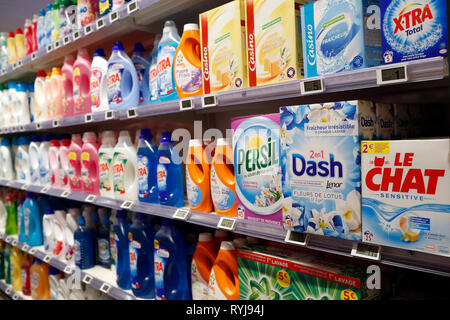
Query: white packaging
(98, 83)
(44, 163)
(22, 106)
(6, 171)
(22, 161)
(34, 161)
(105, 157)
(40, 98)
(125, 169)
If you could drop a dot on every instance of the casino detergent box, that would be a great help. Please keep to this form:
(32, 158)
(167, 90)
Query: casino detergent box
(273, 273)
(413, 29)
(405, 194)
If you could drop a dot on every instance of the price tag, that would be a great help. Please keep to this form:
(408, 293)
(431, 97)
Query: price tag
(186, 104)
(90, 198)
(49, 48)
(38, 126)
(65, 194)
(32, 251)
(47, 258)
(66, 40)
(209, 101)
(25, 187)
(33, 56)
(311, 86)
(15, 66)
(297, 238)
(127, 204)
(14, 243)
(15, 296)
(19, 64)
(132, 7)
(367, 251)
(68, 269)
(109, 115)
(13, 129)
(88, 29)
(55, 123)
(100, 23)
(87, 279)
(105, 288)
(45, 189)
(181, 214)
(76, 35)
(57, 44)
(25, 247)
(389, 75)
(8, 291)
(22, 128)
(88, 118)
(132, 113)
(8, 239)
(113, 16)
(227, 223)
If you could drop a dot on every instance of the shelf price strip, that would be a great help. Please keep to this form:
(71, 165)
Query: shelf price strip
(113, 16)
(90, 198)
(87, 279)
(8, 291)
(127, 204)
(366, 251)
(227, 223)
(105, 288)
(65, 194)
(390, 75)
(49, 48)
(100, 23)
(45, 189)
(312, 86)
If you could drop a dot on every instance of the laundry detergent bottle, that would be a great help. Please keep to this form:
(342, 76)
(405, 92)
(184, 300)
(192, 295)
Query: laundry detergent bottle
(57, 93)
(147, 168)
(105, 166)
(89, 164)
(74, 157)
(64, 162)
(81, 83)
(202, 263)
(33, 152)
(47, 228)
(83, 245)
(122, 80)
(142, 66)
(32, 221)
(187, 67)
(166, 53)
(153, 72)
(67, 81)
(224, 281)
(44, 162)
(121, 228)
(99, 86)
(53, 153)
(125, 169)
(39, 95)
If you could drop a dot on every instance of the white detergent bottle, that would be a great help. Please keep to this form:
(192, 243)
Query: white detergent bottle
(39, 96)
(59, 229)
(22, 106)
(99, 85)
(105, 155)
(6, 171)
(44, 162)
(53, 280)
(3, 215)
(71, 221)
(32, 103)
(22, 161)
(63, 290)
(48, 222)
(33, 152)
(125, 169)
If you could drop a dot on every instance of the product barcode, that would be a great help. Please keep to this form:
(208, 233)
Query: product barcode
(186, 104)
(132, 113)
(32, 251)
(47, 258)
(15, 296)
(66, 40)
(109, 115)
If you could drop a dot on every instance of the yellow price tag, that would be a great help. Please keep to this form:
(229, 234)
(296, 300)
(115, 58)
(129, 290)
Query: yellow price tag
(348, 294)
(375, 147)
(283, 278)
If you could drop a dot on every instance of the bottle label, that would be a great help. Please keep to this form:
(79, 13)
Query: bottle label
(86, 12)
(104, 174)
(77, 97)
(187, 77)
(115, 72)
(134, 248)
(214, 292)
(119, 161)
(143, 163)
(162, 171)
(69, 252)
(104, 253)
(62, 173)
(21, 165)
(104, 6)
(161, 255)
(153, 80)
(96, 84)
(199, 285)
(165, 75)
(26, 222)
(34, 283)
(87, 181)
(222, 196)
(77, 251)
(112, 246)
(140, 70)
(74, 179)
(194, 193)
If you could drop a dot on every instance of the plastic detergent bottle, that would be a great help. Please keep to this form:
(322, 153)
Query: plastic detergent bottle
(121, 228)
(39, 95)
(40, 285)
(223, 183)
(124, 169)
(44, 163)
(48, 222)
(25, 270)
(118, 3)
(72, 223)
(147, 167)
(81, 83)
(28, 34)
(67, 86)
(224, 281)
(202, 262)
(142, 66)
(48, 108)
(141, 236)
(22, 105)
(104, 7)
(48, 24)
(2, 260)
(23, 160)
(6, 256)
(41, 29)
(34, 33)
(53, 153)
(57, 93)
(89, 164)
(153, 73)
(105, 155)
(220, 236)
(33, 152)
(16, 269)
(171, 278)
(20, 44)
(64, 162)
(3, 215)
(197, 178)
(6, 170)
(99, 86)
(87, 12)
(12, 57)
(170, 176)
(3, 49)
(59, 228)
(55, 20)
(122, 80)
(74, 157)
(21, 221)
(104, 252)
(32, 102)
(166, 52)
(187, 67)
(32, 220)
(84, 251)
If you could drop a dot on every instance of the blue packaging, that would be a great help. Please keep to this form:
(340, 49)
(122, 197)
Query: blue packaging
(83, 245)
(413, 29)
(147, 154)
(20, 220)
(142, 66)
(32, 221)
(121, 243)
(103, 249)
(340, 35)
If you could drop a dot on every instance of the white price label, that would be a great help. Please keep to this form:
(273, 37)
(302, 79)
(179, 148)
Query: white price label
(55, 123)
(45, 189)
(311, 86)
(65, 194)
(8, 239)
(113, 16)
(68, 269)
(88, 29)
(88, 118)
(209, 101)
(90, 198)
(32, 251)
(76, 35)
(57, 44)
(389, 75)
(25, 247)
(8, 291)
(132, 113)
(186, 104)
(38, 126)
(227, 223)
(181, 214)
(47, 258)
(66, 40)
(87, 279)
(25, 187)
(15, 296)
(49, 48)
(132, 7)
(14, 242)
(367, 251)
(15, 66)
(19, 64)
(105, 288)
(109, 115)
(297, 238)
(33, 56)
(22, 128)
(127, 204)
(13, 129)
(100, 23)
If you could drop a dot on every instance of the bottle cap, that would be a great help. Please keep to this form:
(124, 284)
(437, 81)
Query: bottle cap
(41, 73)
(105, 220)
(108, 135)
(11, 34)
(205, 237)
(95, 218)
(89, 136)
(46, 137)
(49, 210)
(118, 46)
(12, 85)
(49, 8)
(6, 142)
(166, 136)
(42, 13)
(27, 22)
(36, 139)
(190, 27)
(99, 52)
(146, 134)
(23, 141)
(81, 221)
(138, 47)
(56, 71)
(54, 143)
(19, 31)
(21, 87)
(227, 245)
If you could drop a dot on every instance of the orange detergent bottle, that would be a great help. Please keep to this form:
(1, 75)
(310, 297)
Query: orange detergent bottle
(187, 66)
(202, 263)
(219, 236)
(197, 178)
(224, 281)
(223, 183)
(40, 284)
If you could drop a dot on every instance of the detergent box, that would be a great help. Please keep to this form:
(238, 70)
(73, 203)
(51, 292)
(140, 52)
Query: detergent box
(273, 41)
(256, 145)
(320, 160)
(413, 29)
(385, 121)
(223, 48)
(402, 121)
(273, 273)
(405, 194)
(340, 35)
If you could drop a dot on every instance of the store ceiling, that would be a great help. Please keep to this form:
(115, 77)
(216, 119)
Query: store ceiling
(14, 12)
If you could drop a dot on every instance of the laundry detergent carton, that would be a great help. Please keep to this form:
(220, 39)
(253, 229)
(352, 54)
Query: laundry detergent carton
(385, 121)
(222, 34)
(406, 187)
(256, 145)
(320, 159)
(340, 35)
(413, 29)
(402, 121)
(273, 273)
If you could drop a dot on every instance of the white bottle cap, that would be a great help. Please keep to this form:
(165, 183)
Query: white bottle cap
(108, 136)
(89, 136)
(76, 136)
(205, 237)
(27, 22)
(240, 242)
(190, 27)
(82, 51)
(227, 245)
(195, 143)
(221, 234)
(124, 134)
(223, 142)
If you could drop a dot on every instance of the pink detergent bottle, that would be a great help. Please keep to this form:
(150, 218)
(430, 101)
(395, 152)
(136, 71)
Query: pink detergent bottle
(67, 79)
(89, 164)
(53, 154)
(81, 83)
(74, 158)
(64, 162)
(57, 90)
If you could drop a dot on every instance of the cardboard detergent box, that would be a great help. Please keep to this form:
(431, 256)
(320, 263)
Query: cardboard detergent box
(273, 273)
(406, 194)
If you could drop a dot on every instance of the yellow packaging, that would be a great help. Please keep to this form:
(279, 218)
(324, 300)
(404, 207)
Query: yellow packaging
(274, 47)
(222, 33)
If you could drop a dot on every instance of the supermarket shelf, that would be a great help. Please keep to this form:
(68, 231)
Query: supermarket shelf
(7, 289)
(419, 261)
(100, 278)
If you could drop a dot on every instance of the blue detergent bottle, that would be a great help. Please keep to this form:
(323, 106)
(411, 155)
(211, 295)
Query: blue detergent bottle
(122, 80)
(170, 175)
(103, 249)
(121, 227)
(32, 221)
(171, 278)
(20, 221)
(96, 227)
(84, 251)
(142, 66)
(153, 73)
(147, 154)
(166, 52)
(141, 235)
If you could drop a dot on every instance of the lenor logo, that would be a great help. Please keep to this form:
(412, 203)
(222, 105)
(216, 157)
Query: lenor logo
(411, 18)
